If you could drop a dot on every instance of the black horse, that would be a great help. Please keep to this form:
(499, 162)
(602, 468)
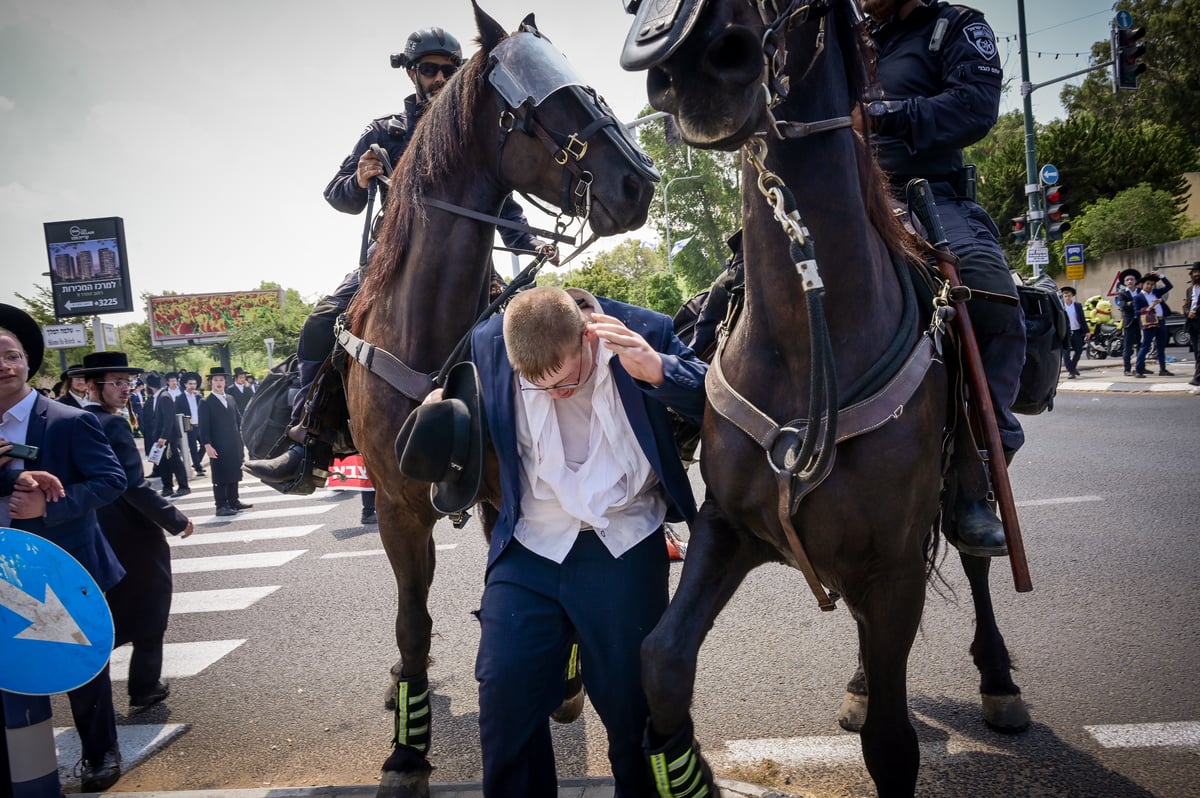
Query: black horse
(515, 117)
(847, 488)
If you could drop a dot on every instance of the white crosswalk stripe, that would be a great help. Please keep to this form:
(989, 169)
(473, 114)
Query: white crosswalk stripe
(263, 515)
(136, 742)
(226, 600)
(245, 536)
(336, 555)
(179, 659)
(195, 502)
(230, 562)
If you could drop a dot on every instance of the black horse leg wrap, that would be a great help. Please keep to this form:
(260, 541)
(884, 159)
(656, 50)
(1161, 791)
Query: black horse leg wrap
(679, 770)
(412, 713)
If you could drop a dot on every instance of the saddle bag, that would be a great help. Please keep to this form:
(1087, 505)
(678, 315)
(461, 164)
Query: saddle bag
(1046, 328)
(269, 413)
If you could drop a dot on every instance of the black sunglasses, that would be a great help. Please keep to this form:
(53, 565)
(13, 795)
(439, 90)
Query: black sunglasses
(429, 69)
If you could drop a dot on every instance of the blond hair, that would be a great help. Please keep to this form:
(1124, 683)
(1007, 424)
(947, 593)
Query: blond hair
(541, 328)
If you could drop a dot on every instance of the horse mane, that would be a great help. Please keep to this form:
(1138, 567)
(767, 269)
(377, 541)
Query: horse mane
(436, 146)
(859, 57)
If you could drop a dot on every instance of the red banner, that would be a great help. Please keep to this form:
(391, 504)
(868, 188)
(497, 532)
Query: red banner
(349, 473)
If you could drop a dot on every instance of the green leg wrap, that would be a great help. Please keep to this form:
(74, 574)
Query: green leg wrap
(412, 713)
(679, 770)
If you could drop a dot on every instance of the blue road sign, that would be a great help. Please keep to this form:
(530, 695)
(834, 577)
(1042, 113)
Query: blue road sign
(1074, 254)
(1124, 20)
(56, 632)
(1049, 174)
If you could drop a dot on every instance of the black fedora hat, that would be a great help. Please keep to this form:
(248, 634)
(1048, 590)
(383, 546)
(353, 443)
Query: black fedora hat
(216, 371)
(154, 381)
(28, 333)
(98, 363)
(1128, 272)
(442, 442)
(72, 371)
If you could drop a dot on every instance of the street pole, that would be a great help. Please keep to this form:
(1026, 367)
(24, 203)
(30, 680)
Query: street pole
(1032, 192)
(667, 216)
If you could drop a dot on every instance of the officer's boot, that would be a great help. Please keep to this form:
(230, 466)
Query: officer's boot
(286, 467)
(978, 530)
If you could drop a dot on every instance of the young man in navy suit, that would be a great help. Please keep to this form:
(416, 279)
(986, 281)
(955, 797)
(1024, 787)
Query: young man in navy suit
(73, 448)
(1078, 332)
(576, 393)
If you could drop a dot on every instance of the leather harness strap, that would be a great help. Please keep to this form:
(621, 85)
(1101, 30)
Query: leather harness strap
(414, 384)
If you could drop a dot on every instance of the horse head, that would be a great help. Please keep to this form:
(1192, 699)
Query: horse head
(723, 68)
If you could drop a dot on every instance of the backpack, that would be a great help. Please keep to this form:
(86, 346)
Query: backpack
(269, 412)
(1046, 328)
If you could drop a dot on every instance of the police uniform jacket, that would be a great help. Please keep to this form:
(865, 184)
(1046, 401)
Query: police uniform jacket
(220, 427)
(645, 406)
(392, 133)
(940, 72)
(133, 526)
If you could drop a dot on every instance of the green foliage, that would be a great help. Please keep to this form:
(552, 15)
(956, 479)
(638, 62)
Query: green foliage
(630, 272)
(1169, 91)
(661, 292)
(600, 279)
(708, 208)
(1136, 217)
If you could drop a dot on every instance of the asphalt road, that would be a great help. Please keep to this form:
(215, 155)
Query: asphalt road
(1109, 637)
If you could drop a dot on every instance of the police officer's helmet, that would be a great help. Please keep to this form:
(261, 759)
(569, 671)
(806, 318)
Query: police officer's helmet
(424, 42)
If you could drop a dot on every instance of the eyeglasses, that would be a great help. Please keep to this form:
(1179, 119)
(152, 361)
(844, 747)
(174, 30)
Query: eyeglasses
(429, 69)
(562, 386)
(13, 358)
(118, 383)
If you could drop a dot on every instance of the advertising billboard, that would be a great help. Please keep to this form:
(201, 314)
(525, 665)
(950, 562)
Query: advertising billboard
(89, 269)
(206, 318)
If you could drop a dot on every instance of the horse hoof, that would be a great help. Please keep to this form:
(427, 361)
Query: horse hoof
(853, 712)
(570, 709)
(1005, 713)
(405, 774)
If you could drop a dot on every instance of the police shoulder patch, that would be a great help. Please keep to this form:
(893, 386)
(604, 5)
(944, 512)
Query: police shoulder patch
(982, 39)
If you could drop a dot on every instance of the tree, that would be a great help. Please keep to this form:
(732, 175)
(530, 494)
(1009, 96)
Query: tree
(40, 307)
(632, 272)
(1169, 91)
(600, 279)
(708, 208)
(1136, 217)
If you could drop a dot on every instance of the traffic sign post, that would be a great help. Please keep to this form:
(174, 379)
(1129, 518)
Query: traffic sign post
(64, 336)
(57, 633)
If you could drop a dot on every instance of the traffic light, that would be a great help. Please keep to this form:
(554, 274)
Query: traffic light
(1020, 229)
(1056, 212)
(1126, 50)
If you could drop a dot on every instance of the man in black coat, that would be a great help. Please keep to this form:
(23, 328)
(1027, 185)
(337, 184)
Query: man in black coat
(169, 433)
(241, 391)
(133, 525)
(220, 433)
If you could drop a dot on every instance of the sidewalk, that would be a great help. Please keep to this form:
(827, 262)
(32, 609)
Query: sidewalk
(567, 788)
(1100, 376)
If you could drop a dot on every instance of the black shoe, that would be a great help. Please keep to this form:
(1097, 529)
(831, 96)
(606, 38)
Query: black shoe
(1196, 381)
(1072, 376)
(1141, 375)
(369, 517)
(98, 776)
(167, 493)
(978, 532)
(200, 472)
(226, 510)
(238, 504)
(156, 694)
(182, 492)
(1165, 373)
(1128, 373)
(284, 468)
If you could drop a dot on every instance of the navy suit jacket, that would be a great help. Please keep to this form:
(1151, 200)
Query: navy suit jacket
(645, 405)
(74, 449)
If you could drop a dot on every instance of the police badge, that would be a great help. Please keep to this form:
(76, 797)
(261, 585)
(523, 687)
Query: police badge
(981, 36)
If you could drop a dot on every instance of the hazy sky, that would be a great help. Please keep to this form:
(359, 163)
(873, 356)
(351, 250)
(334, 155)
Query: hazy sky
(212, 127)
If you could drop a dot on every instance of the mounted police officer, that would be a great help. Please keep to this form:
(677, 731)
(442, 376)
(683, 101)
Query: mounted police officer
(431, 56)
(939, 89)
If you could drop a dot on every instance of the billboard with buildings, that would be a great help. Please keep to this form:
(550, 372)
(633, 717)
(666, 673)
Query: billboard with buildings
(206, 318)
(89, 270)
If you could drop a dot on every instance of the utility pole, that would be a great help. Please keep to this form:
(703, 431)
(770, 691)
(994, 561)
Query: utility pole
(1031, 185)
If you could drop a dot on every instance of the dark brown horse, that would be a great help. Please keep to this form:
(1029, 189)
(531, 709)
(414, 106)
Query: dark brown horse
(827, 323)
(514, 118)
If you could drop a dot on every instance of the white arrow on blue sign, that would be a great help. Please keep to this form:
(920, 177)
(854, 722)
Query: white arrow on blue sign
(1124, 19)
(56, 631)
(1073, 254)
(1049, 174)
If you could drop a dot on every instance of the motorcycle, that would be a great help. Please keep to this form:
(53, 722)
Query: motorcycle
(1105, 341)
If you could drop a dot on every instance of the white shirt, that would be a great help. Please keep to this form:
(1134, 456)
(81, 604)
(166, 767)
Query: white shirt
(1150, 297)
(1072, 316)
(14, 426)
(581, 466)
(194, 404)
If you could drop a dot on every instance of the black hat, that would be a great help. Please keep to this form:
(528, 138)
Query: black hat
(237, 371)
(70, 372)
(442, 442)
(98, 363)
(153, 381)
(27, 331)
(190, 375)
(215, 371)
(1136, 275)
(1067, 289)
